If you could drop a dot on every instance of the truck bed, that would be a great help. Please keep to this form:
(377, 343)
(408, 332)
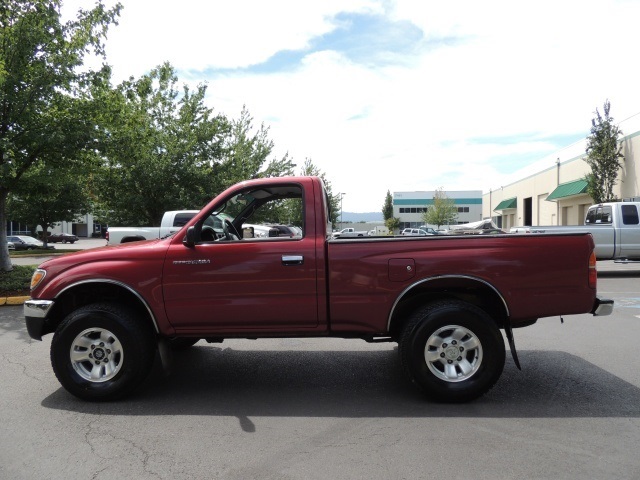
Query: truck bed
(534, 275)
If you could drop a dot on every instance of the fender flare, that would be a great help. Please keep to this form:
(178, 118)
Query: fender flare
(119, 284)
(507, 327)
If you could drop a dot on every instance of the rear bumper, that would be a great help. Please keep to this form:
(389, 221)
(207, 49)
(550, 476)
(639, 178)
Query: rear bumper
(602, 306)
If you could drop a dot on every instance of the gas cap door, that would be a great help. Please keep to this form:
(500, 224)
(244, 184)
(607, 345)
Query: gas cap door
(401, 269)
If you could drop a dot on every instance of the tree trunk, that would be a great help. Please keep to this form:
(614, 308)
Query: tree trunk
(5, 260)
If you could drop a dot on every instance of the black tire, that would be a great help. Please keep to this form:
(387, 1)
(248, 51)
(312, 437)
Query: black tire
(102, 352)
(452, 350)
(182, 343)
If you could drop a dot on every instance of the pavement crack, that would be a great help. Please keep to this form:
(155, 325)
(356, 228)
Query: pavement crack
(109, 447)
(9, 359)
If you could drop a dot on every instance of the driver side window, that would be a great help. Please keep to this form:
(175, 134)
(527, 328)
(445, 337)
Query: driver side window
(260, 214)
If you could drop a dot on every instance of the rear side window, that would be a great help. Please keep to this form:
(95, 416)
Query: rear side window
(599, 215)
(630, 215)
(181, 219)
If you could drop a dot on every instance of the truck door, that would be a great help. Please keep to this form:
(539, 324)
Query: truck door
(231, 281)
(629, 232)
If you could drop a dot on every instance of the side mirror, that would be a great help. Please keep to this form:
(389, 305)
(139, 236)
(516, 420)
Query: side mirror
(190, 237)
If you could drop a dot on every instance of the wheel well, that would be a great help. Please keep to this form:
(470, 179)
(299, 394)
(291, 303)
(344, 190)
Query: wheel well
(93, 292)
(469, 290)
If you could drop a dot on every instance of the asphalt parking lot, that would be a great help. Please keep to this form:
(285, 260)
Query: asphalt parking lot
(339, 409)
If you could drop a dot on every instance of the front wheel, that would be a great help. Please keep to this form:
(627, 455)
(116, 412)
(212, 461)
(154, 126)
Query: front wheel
(102, 352)
(452, 350)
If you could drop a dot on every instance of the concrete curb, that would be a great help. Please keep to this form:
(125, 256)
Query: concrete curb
(13, 300)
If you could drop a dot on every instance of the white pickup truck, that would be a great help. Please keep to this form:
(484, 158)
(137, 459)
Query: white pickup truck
(615, 228)
(171, 222)
(350, 232)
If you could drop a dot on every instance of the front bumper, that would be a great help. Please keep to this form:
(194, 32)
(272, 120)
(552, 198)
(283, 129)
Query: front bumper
(602, 306)
(35, 314)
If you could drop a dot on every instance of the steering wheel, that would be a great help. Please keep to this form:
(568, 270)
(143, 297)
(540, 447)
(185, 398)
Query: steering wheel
(208, 234)
(230, 231)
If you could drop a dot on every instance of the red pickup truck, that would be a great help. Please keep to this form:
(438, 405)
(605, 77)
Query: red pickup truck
(443, 299)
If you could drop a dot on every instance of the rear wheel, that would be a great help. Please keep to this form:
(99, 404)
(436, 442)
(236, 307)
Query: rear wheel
(102, 352)
(452, 350)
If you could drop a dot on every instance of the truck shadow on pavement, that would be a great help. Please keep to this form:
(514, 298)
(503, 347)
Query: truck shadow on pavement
(225, 382)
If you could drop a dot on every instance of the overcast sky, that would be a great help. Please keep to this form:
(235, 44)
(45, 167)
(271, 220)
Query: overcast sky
(397, 94)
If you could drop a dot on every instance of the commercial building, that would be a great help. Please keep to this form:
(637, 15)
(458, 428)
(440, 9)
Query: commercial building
(410, 207)
(553, 191)
(83, 226)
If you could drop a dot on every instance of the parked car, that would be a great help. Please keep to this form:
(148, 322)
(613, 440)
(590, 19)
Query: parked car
(11, 246)
(62, 237)
(350, 232)
(171, 222)
(415, 232)
(429, 230)
(615, 228)
(21, 242)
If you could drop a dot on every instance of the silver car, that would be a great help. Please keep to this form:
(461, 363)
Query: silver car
(413, 232)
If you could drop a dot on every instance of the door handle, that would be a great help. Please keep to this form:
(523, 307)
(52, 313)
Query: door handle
(289, 260)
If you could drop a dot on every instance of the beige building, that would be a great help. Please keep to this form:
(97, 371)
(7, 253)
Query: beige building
(553, 192)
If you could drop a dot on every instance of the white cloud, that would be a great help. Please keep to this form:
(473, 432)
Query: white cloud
(491, 69)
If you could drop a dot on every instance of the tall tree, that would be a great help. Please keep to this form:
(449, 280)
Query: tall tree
(247, 151)
(604, 156)
(387, 207)
(160, 148)
(45, 113)
(164, 149)
(443, 211)
(309, 169)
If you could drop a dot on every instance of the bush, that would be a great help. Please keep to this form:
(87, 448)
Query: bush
(17, 281)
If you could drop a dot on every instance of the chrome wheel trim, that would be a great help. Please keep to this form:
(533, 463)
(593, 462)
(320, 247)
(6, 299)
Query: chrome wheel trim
(96, 355)
(453, 353)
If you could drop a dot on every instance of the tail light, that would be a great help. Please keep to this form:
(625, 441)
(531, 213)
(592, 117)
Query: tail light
(593, 272)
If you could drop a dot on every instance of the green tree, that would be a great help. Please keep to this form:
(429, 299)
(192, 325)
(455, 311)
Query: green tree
(160, 149)
(164, 149)
(387, 207)
(246, 154)
(309, 169)
(45, 111)
(442, 212)
(393, 224)
(604, 156)
(47, 196)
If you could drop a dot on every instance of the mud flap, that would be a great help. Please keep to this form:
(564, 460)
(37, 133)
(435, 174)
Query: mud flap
(512, 344)
(166, 355)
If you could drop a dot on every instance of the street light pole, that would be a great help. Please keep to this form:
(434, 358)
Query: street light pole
(341, 220)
